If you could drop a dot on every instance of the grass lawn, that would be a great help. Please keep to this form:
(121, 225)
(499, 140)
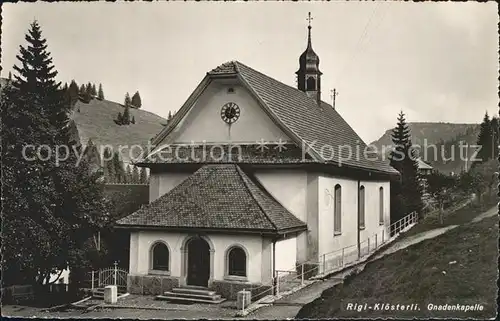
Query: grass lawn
(422, 274)
(459, 217)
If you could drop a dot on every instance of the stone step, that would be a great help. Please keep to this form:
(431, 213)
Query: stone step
(195, 291)
(194, 296)
(188, 300)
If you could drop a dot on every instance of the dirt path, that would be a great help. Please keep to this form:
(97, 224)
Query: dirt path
(491, 212)
(287, 308)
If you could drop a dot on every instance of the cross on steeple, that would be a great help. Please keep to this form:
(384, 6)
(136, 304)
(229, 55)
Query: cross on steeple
(309, 18)
(333, 93)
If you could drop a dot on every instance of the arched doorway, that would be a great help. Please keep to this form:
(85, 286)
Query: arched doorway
(198, 262)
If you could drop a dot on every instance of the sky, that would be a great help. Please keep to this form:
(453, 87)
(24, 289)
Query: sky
(435, 61)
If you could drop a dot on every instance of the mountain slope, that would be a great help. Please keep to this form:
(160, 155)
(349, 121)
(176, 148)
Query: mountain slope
(95, 120)
(433, 133)
(446, 137)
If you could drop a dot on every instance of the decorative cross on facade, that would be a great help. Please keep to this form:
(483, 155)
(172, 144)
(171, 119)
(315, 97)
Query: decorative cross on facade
(309, 18)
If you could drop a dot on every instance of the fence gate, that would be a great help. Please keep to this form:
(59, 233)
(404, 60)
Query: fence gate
(113, 276)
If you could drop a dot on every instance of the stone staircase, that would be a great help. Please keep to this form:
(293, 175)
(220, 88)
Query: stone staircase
(98, 293)
(191, 294)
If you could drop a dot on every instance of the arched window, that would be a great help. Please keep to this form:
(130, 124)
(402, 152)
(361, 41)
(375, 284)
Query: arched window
(237, 262)
(361, 209)
(337, 210)
(160, 257)
(381, 205)
(311, 83)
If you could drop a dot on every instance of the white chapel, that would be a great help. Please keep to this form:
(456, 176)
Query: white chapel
(252, 176)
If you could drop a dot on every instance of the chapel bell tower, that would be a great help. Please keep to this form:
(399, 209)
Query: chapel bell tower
(308, 75)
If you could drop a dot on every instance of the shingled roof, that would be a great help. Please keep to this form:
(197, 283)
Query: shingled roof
(317, 126)
(216, 197)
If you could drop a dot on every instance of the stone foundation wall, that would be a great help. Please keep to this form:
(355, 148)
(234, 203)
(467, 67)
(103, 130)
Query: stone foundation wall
(151, 284)
(230, 289)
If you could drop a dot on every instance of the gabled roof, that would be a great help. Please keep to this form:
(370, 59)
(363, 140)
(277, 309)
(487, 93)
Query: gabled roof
(216, 197)
(326, 134)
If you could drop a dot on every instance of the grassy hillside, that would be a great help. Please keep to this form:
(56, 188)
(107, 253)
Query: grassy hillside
(458, 267)
(95, 120)
(445, 136)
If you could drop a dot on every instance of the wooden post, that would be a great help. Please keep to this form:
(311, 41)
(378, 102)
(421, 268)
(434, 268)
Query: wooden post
(324, 263)
(116, 265)
(277, 284)
(375, 240)
(342, 262)
(92, 281)
(383, 235)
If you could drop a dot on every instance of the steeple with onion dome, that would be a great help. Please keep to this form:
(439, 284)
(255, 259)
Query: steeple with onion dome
(309, 75)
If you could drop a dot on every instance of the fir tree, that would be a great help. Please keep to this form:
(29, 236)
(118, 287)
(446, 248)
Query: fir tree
(118, 168)
(88, 88)
(127, 100)
(484, 140)
(136, 100)
(110, 166)
(49, 207)
(143, 176)
(10, 76)
(135, 175)
(128, 175)
(100, 93)
(119, 119)
(126, 115)
(93, 90)
(73, 92)
(82, 90)
(495, 131)
(407, 193)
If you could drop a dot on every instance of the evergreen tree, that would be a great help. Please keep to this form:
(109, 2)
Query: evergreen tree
(126, 115)
(136, 100)
(110, 166)
(73, 92)
(406, 193)
(119, 119)
(118, 168)
(495, 132)
(93, 90)
(484, 140)
(10, 76)
(135, 175)
(169, 117)
(100, 93)
(128, 175)
(50, 207)
(82, 90)
(88, 88)
(143, 176)
(127, 100)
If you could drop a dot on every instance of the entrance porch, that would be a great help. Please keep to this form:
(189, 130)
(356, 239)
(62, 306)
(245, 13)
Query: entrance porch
(163, 262)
